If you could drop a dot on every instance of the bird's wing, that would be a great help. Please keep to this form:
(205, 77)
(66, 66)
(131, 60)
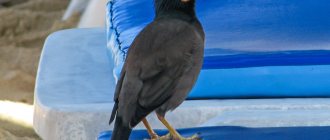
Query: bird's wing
(116, 95)
(157, 58)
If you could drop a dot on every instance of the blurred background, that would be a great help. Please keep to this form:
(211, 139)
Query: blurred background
(24, 25)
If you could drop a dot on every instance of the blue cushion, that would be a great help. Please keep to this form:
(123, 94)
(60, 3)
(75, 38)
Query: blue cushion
(240, 133)
(254, 48)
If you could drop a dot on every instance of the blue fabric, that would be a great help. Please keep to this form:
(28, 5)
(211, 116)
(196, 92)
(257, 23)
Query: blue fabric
(241, 133)
(254, 37)
(263, 82)
(257, 59)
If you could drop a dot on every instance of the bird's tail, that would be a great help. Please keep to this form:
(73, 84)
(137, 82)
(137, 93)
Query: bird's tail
(114, 112)
(120, 131)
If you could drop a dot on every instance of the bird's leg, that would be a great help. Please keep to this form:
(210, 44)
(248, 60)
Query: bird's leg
(151, 132)
(173, 132)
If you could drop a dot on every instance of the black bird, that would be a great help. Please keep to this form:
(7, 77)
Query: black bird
(161, 67)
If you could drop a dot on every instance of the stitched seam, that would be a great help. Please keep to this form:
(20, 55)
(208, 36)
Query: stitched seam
(115, 28)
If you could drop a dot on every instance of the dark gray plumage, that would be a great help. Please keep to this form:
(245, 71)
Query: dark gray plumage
(161, 67)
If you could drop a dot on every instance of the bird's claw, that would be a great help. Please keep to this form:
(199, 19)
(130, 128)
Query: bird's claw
(170, 137)
(194, 137)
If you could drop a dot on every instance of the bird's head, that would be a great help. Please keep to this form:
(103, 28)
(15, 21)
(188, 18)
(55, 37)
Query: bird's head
(175, 6)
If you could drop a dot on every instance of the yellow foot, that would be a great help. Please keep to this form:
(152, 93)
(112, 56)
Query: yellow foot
(154, 137)
(170, 137)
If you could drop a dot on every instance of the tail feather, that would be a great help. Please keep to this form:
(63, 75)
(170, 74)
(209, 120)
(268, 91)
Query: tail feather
(120, 131)
(114, 112)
